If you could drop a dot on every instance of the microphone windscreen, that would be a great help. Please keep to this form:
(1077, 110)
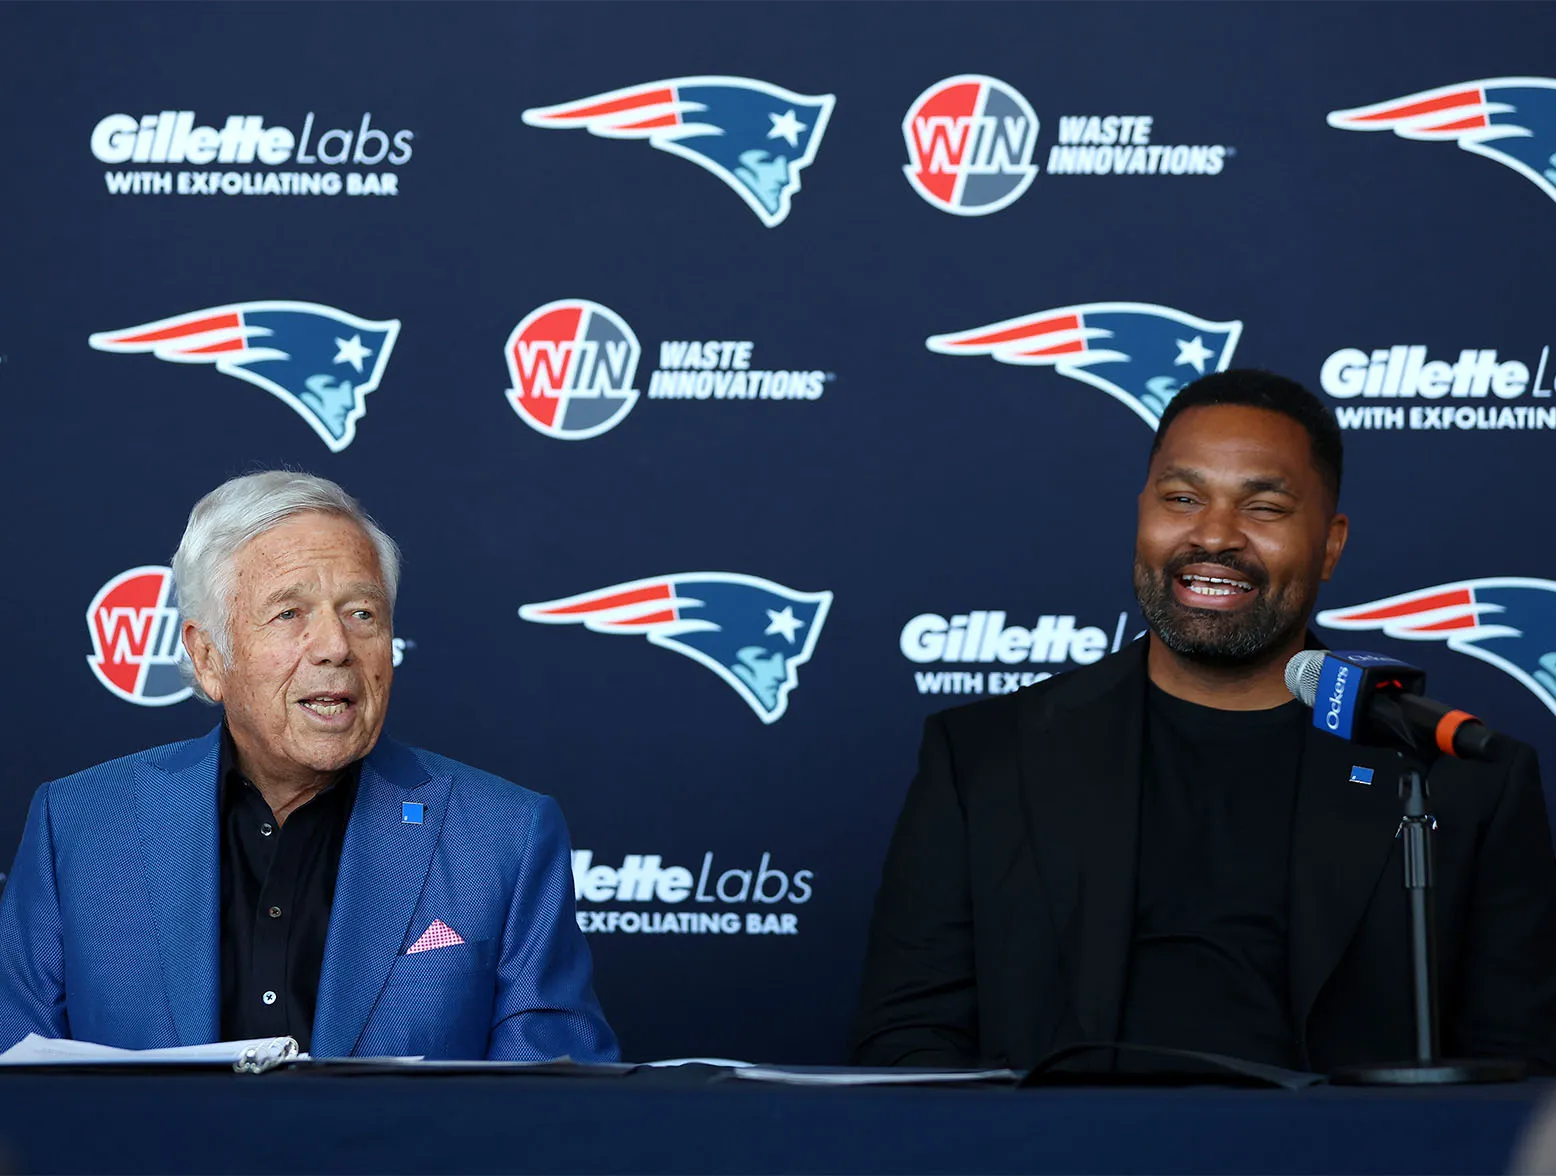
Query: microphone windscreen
(1303, 672)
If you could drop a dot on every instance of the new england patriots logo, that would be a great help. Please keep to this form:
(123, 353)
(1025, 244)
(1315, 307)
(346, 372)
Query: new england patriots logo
(320, 361)
(751, 632)
(1510, 120)
(1509, 621)
(754, 136)
(1139, 353)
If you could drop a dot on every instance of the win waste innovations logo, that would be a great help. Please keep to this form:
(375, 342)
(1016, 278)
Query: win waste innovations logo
(136, 639)
(573, 367)
(972, 141)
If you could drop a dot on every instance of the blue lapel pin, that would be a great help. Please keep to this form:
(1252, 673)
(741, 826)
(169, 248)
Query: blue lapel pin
(1359, 775)
(411, 812)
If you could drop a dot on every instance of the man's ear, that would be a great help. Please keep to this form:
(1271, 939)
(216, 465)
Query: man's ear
(205, 659)
(1334, 544)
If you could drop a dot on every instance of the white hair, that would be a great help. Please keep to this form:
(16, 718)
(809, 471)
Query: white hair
(242, 509)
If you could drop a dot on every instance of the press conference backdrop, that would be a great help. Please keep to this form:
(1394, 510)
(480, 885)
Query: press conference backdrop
(746, 381)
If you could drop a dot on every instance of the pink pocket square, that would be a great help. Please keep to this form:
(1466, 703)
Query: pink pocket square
(440, 934)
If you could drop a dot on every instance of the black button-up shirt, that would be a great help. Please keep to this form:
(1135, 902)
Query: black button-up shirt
(277, 887)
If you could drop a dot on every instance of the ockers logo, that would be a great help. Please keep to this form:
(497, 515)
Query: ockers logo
(136, 648)
(1337, 699)
(572, 363)
(970, 141)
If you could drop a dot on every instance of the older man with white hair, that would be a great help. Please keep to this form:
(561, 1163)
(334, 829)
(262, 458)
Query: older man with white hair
(293, 872)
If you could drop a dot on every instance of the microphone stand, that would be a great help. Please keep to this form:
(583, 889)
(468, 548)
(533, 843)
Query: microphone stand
(1428, 1069)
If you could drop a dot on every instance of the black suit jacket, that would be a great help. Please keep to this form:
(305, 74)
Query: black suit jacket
(1004, 919)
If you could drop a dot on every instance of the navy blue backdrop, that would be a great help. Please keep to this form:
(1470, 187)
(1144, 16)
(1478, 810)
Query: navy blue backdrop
(792, 367)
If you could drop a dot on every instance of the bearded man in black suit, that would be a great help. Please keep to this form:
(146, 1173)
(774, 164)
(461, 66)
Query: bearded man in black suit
(1159, 849)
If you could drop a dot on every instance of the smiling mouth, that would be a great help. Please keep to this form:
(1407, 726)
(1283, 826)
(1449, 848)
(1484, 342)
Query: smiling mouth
(1214, 585)
(326, 705)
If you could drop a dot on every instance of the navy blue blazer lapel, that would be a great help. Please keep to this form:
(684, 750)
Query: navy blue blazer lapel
(383, 867)
(175, 816)
(1342, 834)
(1080, 775)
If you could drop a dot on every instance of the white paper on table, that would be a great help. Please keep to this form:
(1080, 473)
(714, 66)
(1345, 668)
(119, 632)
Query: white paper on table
(727, 1063)
(859, 1076)
(33, 1050)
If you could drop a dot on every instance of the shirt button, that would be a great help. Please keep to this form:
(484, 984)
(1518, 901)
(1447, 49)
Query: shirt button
(266, 829)
(269, 998)
(275, 912)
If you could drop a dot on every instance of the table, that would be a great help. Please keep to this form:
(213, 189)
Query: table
(705, 1122)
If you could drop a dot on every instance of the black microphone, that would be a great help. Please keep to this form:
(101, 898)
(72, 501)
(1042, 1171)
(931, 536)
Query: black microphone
(1376, 701)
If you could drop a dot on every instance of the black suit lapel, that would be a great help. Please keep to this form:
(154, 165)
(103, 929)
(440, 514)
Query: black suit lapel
(1342, 832)
(1080, 786)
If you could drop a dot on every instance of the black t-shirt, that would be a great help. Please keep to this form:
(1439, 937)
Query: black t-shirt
(1208, 961)
(277, 888)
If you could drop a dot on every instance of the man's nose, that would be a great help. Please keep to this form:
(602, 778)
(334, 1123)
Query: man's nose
(327, 643)
(1219, 527)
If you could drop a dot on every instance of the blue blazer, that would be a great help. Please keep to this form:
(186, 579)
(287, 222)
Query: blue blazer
(109, 928)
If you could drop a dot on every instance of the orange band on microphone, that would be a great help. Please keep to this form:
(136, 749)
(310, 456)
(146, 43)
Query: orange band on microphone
(1448, 726)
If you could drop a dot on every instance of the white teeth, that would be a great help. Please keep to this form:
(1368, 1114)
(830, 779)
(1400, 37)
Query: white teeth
(1198, 584)
(319, 706)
